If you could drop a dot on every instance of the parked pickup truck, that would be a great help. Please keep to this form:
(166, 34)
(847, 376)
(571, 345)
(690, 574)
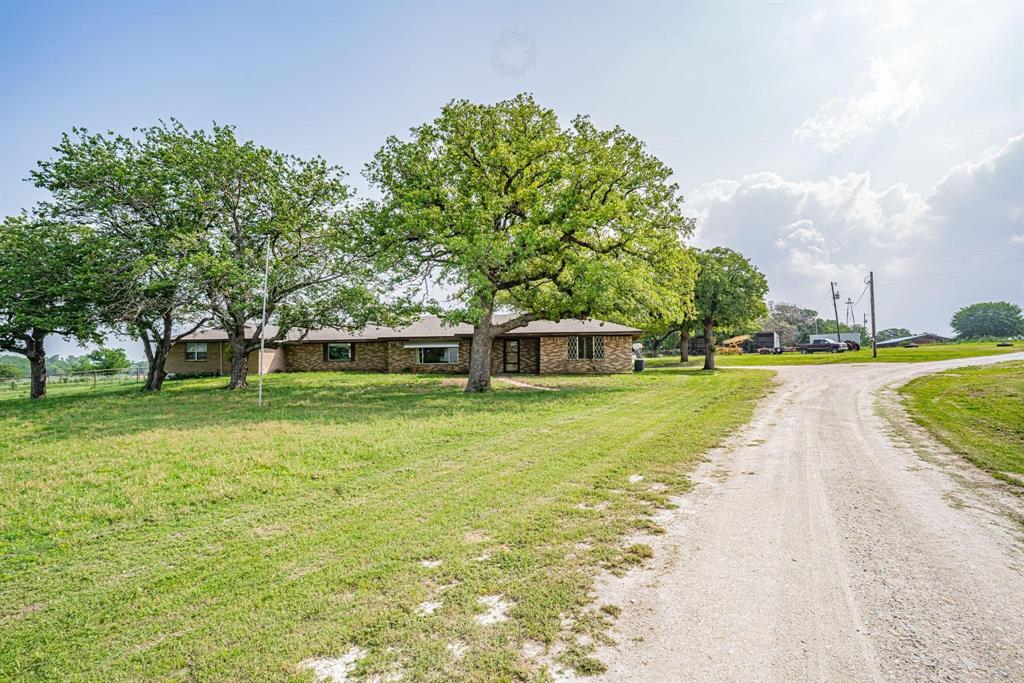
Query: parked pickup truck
(821, 346)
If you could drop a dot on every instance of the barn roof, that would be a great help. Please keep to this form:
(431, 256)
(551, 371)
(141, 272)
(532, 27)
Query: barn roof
(900, 340)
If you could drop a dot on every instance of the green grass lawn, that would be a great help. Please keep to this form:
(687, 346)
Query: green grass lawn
(978, 412)
(921, 354)
(191, 536)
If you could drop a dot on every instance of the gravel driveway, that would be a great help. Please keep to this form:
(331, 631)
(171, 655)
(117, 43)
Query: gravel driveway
(830, 541)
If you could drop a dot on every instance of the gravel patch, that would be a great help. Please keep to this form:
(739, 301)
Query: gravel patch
(334, 669)
(497, 609)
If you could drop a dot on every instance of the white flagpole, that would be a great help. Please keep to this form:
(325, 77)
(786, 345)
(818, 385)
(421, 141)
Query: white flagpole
(263, 326)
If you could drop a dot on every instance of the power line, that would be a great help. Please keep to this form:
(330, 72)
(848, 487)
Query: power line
(813, 302)
(954, 272)
(974, 255)
(862, 293)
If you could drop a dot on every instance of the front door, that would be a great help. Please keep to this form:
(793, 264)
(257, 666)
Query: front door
(511, 355)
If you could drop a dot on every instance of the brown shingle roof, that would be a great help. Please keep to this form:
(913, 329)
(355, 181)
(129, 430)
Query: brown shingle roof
(432, 327)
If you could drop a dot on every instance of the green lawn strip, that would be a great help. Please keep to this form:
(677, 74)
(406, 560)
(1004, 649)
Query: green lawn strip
(191, 535)
(977, 412)
(924, 353)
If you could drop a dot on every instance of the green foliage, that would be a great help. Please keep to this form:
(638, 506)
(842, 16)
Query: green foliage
(149, 195)
(988, 319)
(658, 342)
(18, 362)
(78, 364)
(893, 333)
(508, 208)
(730, 290)
(319, 272)
(793, 323)
(9, 370)
(58, 364)
(109, 359)
(52, 281)
(191, 214)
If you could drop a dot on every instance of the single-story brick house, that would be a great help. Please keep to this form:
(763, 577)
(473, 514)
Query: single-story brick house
(427, 345)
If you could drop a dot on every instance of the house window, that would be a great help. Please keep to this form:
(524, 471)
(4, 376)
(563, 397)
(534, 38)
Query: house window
(339, 353)
(195, 351)
(584, 348)
(446, 355)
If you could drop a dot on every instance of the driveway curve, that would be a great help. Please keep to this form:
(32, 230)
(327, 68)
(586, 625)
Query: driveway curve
(830, 541)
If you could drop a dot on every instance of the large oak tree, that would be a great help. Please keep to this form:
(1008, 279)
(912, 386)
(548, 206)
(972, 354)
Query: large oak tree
(510, 210)
(150, 197)
(322, 270)
(792, 322)
(729, 292)
(988, 319)
(53, 277)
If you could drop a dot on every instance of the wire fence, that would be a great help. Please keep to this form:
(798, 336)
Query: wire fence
(134, 374)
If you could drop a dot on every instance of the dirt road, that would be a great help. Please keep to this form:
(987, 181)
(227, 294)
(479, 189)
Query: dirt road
(829, 542)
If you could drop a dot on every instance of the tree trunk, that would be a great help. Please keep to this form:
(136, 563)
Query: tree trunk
(156, 374)
(480, 355)
(684, 346)
(709, 346)
(37, 361)
(239, 362)
(36, 354)
(156, 355)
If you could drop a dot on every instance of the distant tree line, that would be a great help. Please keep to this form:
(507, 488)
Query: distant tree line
(988, 319)
(103, 358)
(157, 232)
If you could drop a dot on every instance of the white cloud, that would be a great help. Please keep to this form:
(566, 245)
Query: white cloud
(931, 254)
(936, 72)
(895, 98)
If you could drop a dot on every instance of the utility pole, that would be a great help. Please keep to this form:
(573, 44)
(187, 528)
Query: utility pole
(835, 309)
(263, 325)
(874, 342)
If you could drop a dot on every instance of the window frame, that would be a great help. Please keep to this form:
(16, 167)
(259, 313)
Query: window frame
(451, 352)
(584, 347)
(351, 352)
(195, 351)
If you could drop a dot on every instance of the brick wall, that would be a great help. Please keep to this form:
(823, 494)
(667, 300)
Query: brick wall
(308, 357)
(273, 360)
(177, 365)
(618, 357)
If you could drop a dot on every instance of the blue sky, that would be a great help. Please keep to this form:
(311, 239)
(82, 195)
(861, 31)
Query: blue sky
(820, 139)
